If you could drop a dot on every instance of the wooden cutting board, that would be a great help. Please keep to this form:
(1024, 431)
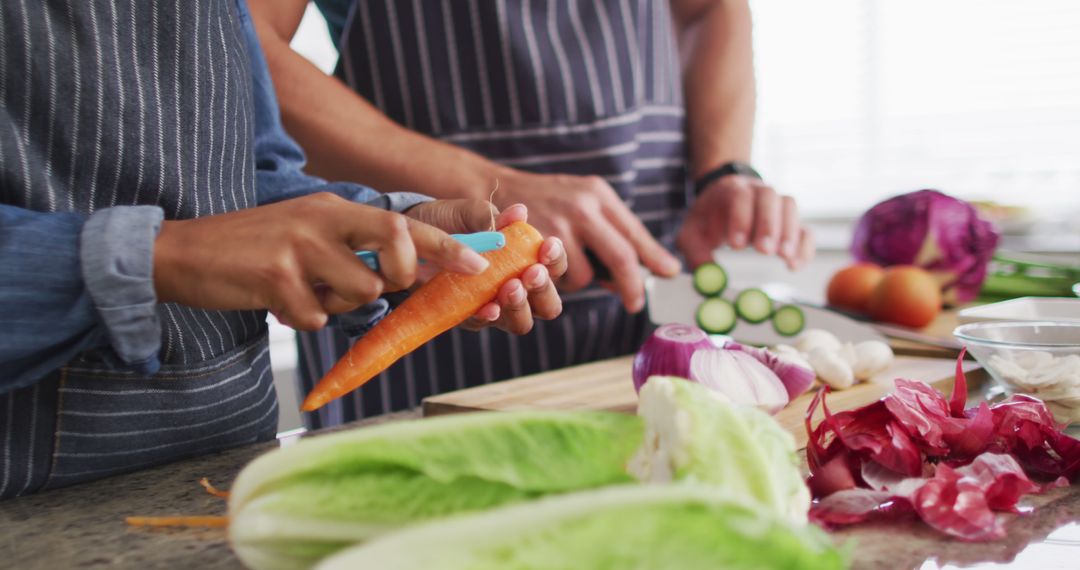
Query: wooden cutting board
(941, 327)
(606, 385)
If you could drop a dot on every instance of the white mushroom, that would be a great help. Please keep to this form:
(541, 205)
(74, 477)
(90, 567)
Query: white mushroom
(783, 349)
(871, 357)
(816, 338)
(847, 352)
(831, 368)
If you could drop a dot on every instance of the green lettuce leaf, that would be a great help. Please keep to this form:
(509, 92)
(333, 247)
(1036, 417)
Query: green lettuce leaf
(685, 527)
(694, 434)
(292, 506)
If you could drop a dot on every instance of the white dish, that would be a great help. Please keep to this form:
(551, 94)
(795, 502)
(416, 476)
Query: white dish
(1061, 309)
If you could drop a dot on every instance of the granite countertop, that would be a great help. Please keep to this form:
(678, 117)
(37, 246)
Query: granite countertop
(83, 526)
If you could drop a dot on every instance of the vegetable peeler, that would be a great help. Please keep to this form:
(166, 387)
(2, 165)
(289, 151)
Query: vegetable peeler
(478, 242)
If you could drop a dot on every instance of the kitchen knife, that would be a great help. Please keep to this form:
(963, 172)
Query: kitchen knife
(675, 300)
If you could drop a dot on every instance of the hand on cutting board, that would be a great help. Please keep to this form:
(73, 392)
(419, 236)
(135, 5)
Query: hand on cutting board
(586, 213)
(296, 258)
(741, 211)
(519, 301)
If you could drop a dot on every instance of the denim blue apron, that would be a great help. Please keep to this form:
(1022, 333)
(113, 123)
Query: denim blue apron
(120, 103)
(548, 86)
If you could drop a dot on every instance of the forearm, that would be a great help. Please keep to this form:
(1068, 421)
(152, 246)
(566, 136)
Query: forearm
(346, 138)
(719, 82)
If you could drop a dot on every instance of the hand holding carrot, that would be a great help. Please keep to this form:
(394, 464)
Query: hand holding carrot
(444, 302)
(521, 299)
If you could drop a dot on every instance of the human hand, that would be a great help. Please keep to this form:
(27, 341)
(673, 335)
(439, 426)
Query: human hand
(519, 300)
(738, 211)
(586, 213)
(296, 258)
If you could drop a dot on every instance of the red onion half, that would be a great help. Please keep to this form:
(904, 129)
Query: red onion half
(796, 379)
(740, 377)
(667, 352)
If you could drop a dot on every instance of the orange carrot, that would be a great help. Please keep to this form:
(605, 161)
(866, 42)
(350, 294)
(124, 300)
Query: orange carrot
(435, 307)
(178, 521)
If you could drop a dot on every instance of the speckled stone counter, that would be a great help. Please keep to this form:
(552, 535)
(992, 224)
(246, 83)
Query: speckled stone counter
(83, 526)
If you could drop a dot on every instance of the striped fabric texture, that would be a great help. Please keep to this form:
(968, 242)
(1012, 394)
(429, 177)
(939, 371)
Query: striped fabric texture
(117, 103)
(547, 86)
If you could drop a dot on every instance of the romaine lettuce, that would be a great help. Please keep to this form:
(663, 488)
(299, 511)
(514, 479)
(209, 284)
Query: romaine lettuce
(293, 506)
(645, 527)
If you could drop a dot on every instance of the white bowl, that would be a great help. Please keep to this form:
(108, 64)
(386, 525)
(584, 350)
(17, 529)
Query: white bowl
(1041, 359)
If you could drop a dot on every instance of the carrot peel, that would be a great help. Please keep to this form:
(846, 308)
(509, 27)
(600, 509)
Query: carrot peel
(189, 522)
(437, 306)
(205, 482)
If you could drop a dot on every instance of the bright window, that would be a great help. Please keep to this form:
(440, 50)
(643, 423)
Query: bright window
(862, 99)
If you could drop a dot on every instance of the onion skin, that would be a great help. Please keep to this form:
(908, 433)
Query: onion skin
(740, 378)
(795, 378)
(667, 352)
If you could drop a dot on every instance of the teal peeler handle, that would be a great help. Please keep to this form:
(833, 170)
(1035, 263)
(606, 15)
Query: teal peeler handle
(479, 242)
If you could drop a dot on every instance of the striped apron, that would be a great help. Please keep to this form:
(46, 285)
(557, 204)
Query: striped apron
(548, 86)
(120, 103)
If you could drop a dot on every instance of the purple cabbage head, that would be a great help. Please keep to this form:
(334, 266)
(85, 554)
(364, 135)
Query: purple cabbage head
(934, 231)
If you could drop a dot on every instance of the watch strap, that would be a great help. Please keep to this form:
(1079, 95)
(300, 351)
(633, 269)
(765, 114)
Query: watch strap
(726, 169)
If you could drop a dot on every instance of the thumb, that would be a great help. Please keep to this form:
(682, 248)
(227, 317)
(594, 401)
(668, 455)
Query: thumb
(456, 216)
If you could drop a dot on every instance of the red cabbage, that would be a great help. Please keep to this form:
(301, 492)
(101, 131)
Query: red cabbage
(934, 231)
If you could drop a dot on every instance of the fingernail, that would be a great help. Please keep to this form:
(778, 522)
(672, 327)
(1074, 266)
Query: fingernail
(517, 296)
(474, 262)
(789, 248)
(767, 244)
(739, 240)
(537, 280)
(672, 265)
(554, 252)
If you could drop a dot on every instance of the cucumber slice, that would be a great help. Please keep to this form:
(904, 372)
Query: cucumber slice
(710, 279)
(753, 306)
(716, 316)
(788, 320)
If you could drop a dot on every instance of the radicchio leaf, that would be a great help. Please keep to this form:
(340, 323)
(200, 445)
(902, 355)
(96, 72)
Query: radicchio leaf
(857, 505)
(956, 506)
(1025, 428)
(873, 432)
(915, 451)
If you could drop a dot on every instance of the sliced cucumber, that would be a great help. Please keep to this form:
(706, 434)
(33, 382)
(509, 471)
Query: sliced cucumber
(716, 316)
(753, 306)
(710, 279)
(788, 320)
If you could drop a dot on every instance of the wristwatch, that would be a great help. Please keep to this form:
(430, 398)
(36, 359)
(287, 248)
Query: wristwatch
(728, 168)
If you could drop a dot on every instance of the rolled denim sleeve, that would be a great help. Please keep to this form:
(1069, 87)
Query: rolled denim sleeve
(47, 312)
(117, 254)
